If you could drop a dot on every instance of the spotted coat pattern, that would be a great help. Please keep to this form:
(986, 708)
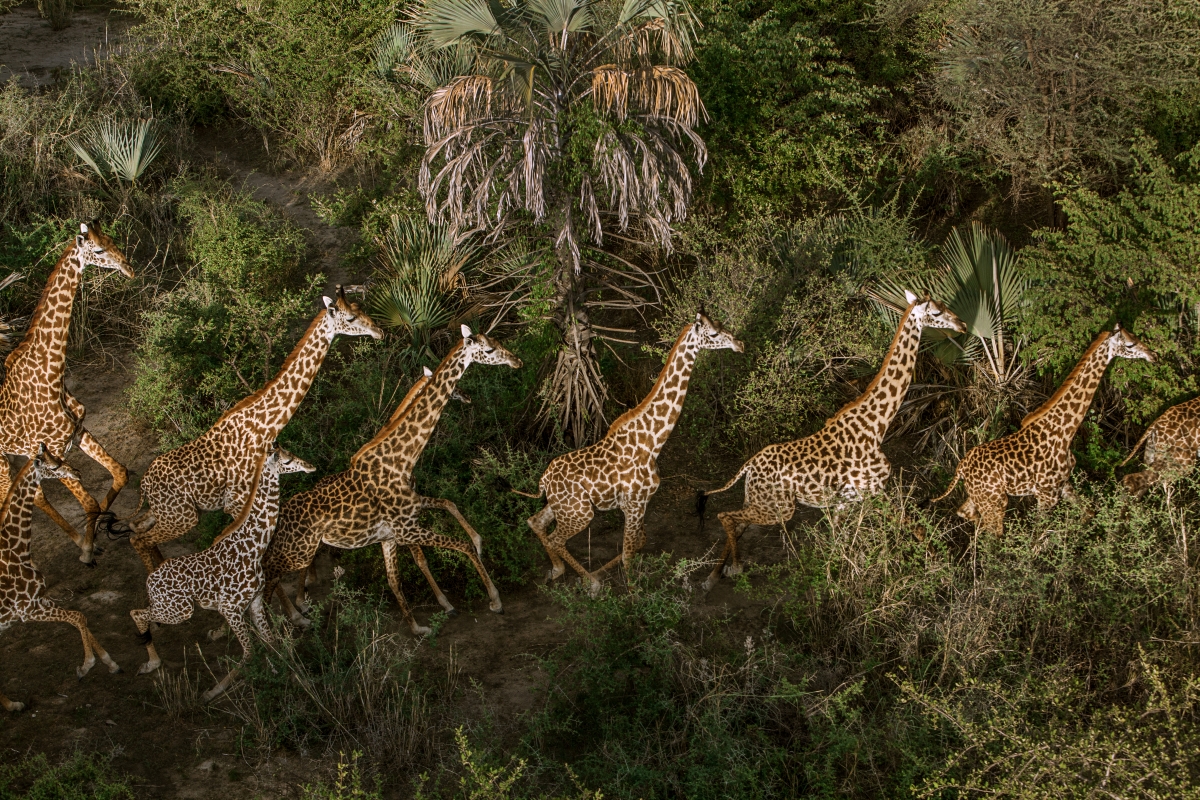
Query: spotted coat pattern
(22, 587)
(374, 501)
(35, 406)
(843, 461)
(1036, 460)
(621, 470)
(1171, 443)
(227, 576)
(216, 470)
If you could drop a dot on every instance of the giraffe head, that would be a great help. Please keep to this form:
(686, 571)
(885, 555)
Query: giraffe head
(283, 462)
(1123, 344)
(94, 247)
(348, 319)
(46, 466)
(931, 314)
(710, 335)
(481, 349)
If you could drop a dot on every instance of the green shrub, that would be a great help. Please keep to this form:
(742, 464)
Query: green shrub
(226, 327)
(299, 72)
(80, 776)
(1130, 258)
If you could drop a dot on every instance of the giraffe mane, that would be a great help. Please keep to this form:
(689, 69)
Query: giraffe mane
(283, 368)
(42, 307)
(891, 351)
(662, 376)
(1040, 411)
(250, 498)
(414, 394)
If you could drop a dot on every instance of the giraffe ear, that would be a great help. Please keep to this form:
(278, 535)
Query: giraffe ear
(909, 297)
(83, 228)
(1117, 328)
(466, 332)
(428, 372)
(328, 301)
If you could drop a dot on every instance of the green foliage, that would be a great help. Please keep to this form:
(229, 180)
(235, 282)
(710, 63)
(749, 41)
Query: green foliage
(347, 785)
(347, 679)
(790, 118)
(792, 294)
(1050, 89)
(80, 776)
(1130, 258)
(226, 327)
(119, 151)
(298, 71)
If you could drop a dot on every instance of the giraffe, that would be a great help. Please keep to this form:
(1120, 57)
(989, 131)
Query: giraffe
(215, 471)
(374, 501)
(228, 575)
(35, 406)
(21, 584)
(621, 470)
(1036, 460)
(843, 461)
(1171, 442)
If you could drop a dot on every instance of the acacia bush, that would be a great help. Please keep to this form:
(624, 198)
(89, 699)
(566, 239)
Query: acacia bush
(228, 324)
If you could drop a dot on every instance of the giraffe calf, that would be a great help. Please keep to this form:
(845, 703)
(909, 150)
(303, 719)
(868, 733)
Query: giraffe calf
(1171, 443)
(22, 586)
(227, 577)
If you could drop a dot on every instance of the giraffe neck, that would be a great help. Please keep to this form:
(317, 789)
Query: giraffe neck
(45, 344)
(873, 410)
(386, 431)
(16, 520)
(656, 415)
(252, 529)
(409, 433)
(1064, 411)
(271, 407)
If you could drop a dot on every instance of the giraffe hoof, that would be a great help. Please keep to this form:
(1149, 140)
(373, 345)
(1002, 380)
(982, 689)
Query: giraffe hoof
(452, 612)
(731, 570)
(217, 634)
(88, 564)
(496, 607)
(594, 589)
(421, 630)
(15, 706)
(114, 669)
(708, 583)
(148, 667)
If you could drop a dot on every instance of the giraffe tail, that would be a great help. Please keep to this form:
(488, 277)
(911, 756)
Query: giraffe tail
(946, 493)
(117, 528)
(1136, 447)
(537, 496)
(702, 496)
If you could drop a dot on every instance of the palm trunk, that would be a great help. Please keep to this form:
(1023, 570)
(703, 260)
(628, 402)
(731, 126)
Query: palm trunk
(576, 393)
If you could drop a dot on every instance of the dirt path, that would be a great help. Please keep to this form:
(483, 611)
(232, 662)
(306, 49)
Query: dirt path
(37, 55)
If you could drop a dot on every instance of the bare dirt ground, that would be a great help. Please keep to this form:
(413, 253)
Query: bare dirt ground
(200, 756)
(37, 55)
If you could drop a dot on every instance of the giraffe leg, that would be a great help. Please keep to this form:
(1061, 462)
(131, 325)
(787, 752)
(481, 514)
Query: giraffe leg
(237, 623)
(259, 615)
(91, 510)
(991, 514)
(1138, 483)
(449, 507)
(393, 576)
(45, 612)
(10, 705)
(41, 502)
(167, 529)
(634, 539)
(307, 579)
(563, 532)
(434, 540)
(120, 476)
(539, 523)
(419, 556)
(734, 524)
(274, 587)
(141, 618)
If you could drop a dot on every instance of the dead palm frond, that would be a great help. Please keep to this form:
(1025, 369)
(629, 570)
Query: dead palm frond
(505, 82)
(118, 151)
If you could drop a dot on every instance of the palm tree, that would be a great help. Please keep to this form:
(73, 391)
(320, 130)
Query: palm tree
(420, 284)
(979, 281)
(570, 115)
